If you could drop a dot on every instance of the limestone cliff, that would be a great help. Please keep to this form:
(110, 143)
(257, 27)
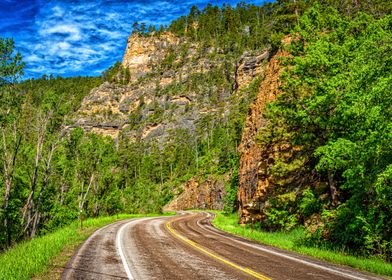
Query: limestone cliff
(143, 53)
(165, 92)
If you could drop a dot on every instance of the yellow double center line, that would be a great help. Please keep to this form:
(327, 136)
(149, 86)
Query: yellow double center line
(198, 247)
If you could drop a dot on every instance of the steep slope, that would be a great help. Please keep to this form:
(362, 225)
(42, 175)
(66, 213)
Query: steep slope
(253, 176)
(168, 91)
(177, 91)
(138, 107)
(173, 85)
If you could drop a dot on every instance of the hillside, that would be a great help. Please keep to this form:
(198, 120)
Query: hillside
(315, 151)
(177, 94)
(280, 112)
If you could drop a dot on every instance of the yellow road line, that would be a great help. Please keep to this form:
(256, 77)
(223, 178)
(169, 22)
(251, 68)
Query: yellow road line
(195, 245)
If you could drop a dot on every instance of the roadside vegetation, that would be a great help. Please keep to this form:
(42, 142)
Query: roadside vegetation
(336, 111)
(44, 257)
(335, 115)
(294, 241)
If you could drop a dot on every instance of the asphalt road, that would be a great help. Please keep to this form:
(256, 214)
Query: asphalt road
(188, 247)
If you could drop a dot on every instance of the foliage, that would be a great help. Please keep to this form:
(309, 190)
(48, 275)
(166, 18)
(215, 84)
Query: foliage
(117, 74)
(234, 29)
(36, 162)
(279, 214)
(293, 241)
(336, 107)
(11, 65)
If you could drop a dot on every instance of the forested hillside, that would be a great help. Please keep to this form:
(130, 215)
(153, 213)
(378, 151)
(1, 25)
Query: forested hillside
(42, 163)
(331, 124)
(174, 113)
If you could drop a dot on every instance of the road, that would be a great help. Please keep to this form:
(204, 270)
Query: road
(186, 246)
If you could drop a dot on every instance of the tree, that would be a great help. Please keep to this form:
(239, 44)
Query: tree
(11, 65)
(11, 68)
(335, 110)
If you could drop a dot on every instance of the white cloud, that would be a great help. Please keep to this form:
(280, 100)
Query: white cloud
(32, 58)
(85, 37)
(71, 31)
(57, 11)
(63, 45)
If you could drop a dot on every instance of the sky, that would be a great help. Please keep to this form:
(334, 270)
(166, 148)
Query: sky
(82, 37)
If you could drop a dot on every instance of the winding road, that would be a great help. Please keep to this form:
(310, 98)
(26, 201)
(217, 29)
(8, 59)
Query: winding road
(188, 247)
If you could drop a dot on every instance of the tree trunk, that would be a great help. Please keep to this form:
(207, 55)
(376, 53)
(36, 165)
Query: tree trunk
(197, 156)
(296, 11)
(9, 162)
(161, 172)
(62, 194)
(208, 142)
(28, 214)
(333, 189)
(45, 183)
(82, 198)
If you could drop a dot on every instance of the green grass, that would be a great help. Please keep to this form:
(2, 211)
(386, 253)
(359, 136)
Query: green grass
(290, 241)
(35, 257)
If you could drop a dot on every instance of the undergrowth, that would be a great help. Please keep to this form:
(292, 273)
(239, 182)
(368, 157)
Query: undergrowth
(292, 241)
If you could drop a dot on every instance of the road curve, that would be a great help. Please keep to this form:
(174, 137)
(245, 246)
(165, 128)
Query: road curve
(188, 247)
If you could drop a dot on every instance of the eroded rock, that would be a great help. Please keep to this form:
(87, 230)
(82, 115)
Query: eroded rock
(199, 194)
(254, 178)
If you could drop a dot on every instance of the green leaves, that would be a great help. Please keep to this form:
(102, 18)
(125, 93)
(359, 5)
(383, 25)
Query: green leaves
(11, 65)
(337, 155)
(337, 107)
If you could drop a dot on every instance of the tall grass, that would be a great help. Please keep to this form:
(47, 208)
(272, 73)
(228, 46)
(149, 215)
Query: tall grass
(292, 241)
(32, 258)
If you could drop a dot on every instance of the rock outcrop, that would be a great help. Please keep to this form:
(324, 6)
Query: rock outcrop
(249, 67)
(209, 194)
(254, 178)
(169, 89)
(199, 194)
(144, 52)
(174, 86)
(165, 94)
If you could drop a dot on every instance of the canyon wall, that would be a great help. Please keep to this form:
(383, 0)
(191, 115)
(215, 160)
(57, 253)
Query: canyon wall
(253, 175)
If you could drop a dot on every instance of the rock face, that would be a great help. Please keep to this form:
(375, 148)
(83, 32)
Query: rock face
(253, 175)
(249, 67)
(175, 86)
(208, 194)
(143, 53)
(170, 89)
(163, 95)
(199, 194)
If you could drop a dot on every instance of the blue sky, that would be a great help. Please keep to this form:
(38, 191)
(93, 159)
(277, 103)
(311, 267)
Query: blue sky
(81, 37)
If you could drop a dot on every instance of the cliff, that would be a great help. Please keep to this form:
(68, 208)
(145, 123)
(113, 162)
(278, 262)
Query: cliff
(255, 160)
(137, 108)
(143, 53)
(174, 86)
(199, 194)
